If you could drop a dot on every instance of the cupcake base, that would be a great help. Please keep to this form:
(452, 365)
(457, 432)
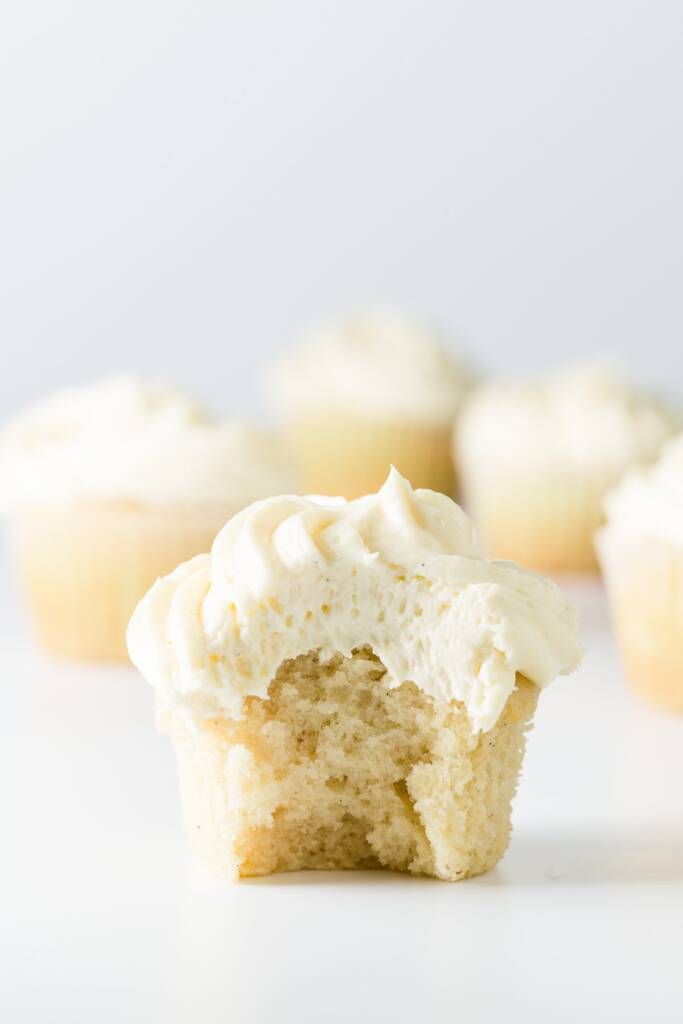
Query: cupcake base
(644, 580)
(546, 523)
(84, 567)
(351, 455)
(335, 771)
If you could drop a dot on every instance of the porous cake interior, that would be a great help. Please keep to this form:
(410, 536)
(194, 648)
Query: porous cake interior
(336, 770)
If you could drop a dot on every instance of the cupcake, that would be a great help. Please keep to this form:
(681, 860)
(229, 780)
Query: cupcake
(110, 486)
(537, 459)
(349, 685)
(366, 394)
(641, 554)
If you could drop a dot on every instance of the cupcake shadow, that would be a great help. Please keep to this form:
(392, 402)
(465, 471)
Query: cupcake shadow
(651, 855)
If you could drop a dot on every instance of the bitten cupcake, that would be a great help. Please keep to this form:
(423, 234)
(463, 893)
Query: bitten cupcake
(368, 393)
(110, 486)
(537, 459)
(349, 684)
(641, 554)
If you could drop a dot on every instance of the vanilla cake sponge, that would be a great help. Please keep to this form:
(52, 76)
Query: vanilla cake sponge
(336, 770)
(349, 684)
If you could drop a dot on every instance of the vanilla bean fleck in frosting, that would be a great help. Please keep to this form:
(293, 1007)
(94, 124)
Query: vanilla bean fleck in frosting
(398, 570)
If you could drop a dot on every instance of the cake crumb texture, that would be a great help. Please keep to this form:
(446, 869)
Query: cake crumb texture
(334, 770)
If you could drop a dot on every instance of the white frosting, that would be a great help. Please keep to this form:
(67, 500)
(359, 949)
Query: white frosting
(587, 418)
(376, 365)
(398, 570)
(649, 502)
(121, 439)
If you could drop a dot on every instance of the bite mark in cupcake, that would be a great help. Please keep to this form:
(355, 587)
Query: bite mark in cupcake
(349, 683)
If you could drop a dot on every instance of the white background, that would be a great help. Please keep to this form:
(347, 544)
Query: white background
(184, 185)
(105, 919)
(182, 188)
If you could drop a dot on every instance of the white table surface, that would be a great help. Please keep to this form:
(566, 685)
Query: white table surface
(105, 918)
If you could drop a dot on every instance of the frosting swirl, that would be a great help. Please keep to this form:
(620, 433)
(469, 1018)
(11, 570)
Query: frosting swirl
(398, 570)
(122, 439)
(649, 502)
(587, 417)
(373, 364)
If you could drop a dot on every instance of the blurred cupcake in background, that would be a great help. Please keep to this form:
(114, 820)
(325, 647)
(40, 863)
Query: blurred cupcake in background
(110, 486)
(366, 393)
(537, 458)
(641, 554)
